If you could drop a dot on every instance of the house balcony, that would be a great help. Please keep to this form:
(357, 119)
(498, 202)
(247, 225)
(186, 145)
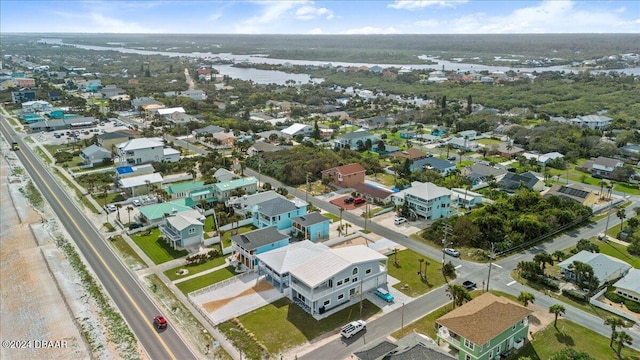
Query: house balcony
(170, 233)
(450, 337)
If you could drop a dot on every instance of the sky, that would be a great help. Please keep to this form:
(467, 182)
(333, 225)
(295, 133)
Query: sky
(320, 17)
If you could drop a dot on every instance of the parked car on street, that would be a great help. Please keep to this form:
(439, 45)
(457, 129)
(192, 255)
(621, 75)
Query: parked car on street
(452, 252)
(352, 328)
(136, 202)
(469, 285)
(135, 225)
(110, 208)
(384, 294)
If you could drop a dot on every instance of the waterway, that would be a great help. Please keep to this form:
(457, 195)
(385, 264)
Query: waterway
(281, 78)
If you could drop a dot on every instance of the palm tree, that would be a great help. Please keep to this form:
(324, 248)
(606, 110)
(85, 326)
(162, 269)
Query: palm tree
(557, 310)
(129, 210)
(341, 210)
(602, 184)
(526, 297)
(558, 255)
(614, 322)
(118, 206)
(458, 294)
(622, 338)
(621, 214)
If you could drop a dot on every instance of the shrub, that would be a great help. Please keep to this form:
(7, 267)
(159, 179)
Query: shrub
(612, 296)
(632, 305)
(575, 295)
(548, 282)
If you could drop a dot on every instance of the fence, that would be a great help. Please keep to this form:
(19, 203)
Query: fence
(593, 301)
(237, 224)
(220, 284)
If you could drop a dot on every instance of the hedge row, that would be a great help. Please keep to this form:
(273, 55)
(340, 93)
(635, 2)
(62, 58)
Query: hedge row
(575, 295)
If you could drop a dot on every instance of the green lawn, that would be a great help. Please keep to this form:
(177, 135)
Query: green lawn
(205, 280)
(282, 325)
(333, 217)
(226, 237)
(488, 142)
(618, 251)
(194, 269)
(571, 335)
(407, 272)
(627, 188)
(384, 179)
(128, 254)
(156, 249)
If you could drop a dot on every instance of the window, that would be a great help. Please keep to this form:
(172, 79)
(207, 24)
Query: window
(355, 279)
(352, 291)
(468, 344)
(514, 326)
(339, 283)
(326, 302)
(467, 357)
(341, 296)
(367, 272)
(346, 280)
(330, 283)
(355, 271)
(491, 354)
(192, 231)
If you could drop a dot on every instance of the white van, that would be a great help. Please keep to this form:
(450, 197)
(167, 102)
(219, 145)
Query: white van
(352, 328)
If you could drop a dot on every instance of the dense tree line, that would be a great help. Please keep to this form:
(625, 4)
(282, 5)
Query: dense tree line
(509, 222)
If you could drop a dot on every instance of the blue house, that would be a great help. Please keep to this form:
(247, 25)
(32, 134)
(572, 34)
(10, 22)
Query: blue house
(246, 246)
(439, 165)
(277, 212)
(313, 226)
(350, 140)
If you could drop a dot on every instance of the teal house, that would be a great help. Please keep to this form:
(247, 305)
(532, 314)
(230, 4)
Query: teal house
(183, 229)
(156, 213)
(195, 190)
(246, 246)
(312, 226)
(484, 328)
(277, 212)
(243, 186)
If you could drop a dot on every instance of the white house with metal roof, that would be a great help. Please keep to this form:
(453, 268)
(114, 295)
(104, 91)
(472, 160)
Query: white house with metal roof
(145, 150)
(223, 190)
(95, 155)
(298, 129)
(629, 286)
(426, 200)
(605, 268)
(140, 185)
(336, 277)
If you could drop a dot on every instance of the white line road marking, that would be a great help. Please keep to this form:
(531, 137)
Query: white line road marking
(496, 265)
(459, 266)
(511, 283)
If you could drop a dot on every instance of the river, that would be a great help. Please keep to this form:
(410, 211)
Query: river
(281, 78)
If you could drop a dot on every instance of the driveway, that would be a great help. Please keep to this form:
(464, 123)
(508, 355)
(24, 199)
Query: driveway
(387, 220)
(236, 296)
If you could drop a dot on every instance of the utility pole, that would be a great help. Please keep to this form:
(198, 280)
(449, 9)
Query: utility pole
(447, 231)
(606, 226)
(366, 214)
(402, 323)
(361, 297)
(259, 171)
(490, 265)
(306, 194)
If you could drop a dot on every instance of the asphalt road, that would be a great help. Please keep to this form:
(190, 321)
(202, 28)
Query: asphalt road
(131, 299)
(500, 279)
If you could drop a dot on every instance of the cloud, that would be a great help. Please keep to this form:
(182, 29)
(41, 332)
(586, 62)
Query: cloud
(366, 30)
(309, 12)
(421, 4)
(545, 17)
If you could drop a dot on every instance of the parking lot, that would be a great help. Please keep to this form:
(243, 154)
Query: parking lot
(66, 136)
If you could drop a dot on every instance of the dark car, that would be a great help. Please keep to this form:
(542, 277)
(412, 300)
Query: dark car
(469, 285)
(348, 200)
(135, 225)
(160, 322)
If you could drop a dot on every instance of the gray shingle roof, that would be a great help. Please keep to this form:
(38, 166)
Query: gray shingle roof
(310, 219)
(258, 238)
(375, 352)
(276, 206)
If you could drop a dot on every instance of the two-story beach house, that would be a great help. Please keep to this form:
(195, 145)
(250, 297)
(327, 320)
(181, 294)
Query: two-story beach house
(425, 200)
(195, 190)
(350, 140)
(312, 226)
(223, 191)
(183, 229)
(145, 150)
(277, 212)
(246, 246)
(484, 328)
(345, 175)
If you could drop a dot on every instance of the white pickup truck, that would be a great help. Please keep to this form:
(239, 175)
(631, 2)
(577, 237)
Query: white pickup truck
(352, 328)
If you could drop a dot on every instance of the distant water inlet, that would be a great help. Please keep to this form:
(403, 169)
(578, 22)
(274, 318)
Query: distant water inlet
(214, 305)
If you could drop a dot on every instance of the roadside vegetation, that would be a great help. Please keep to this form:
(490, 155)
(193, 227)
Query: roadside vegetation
(33, 195)
(156, 247)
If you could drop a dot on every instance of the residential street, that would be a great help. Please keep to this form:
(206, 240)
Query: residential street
(500, 279)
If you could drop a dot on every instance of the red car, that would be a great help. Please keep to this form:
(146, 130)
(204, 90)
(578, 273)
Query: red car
(359, 200)
(160, 322)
